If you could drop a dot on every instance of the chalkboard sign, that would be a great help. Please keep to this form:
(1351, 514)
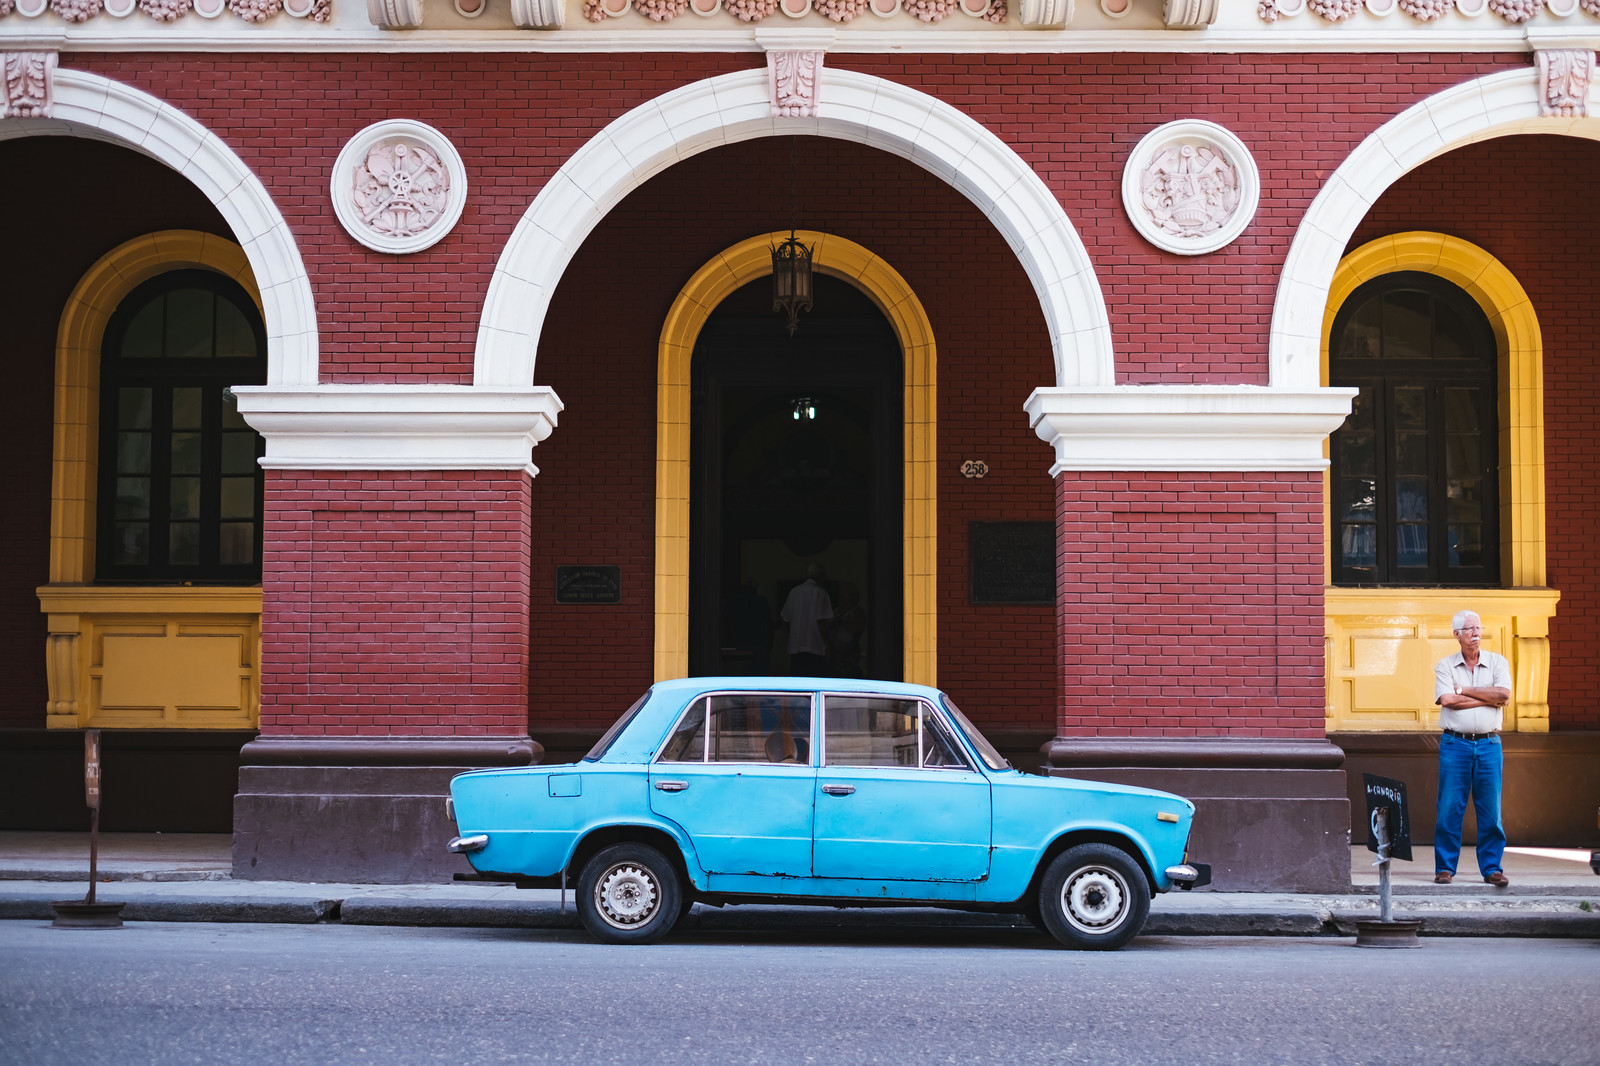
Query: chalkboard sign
(588, 584)
(1390, 795)
(1013, 563)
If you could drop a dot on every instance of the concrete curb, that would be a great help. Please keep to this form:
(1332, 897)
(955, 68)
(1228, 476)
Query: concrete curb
(1209, 914)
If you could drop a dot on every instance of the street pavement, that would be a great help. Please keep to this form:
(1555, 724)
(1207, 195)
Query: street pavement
(186, 878)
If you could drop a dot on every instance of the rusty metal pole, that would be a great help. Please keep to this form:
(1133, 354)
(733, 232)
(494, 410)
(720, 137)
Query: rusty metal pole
(87, 913)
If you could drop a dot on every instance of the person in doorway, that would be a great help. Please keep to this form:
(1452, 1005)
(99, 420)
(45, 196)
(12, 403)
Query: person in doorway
(845, 631)
(1471, 688)
(807, 612)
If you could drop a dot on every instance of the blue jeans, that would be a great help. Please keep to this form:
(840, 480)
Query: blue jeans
(1469, 767)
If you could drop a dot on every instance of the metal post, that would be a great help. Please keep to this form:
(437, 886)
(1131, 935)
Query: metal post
(1380, 831)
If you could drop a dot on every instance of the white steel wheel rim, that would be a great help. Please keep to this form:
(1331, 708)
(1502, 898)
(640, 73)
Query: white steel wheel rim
(1094, 899)
(626, 896)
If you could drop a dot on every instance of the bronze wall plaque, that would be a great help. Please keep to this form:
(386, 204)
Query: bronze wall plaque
(1012, 563)
(588, 584)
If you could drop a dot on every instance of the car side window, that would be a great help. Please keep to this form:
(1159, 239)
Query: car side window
(884, 731)
(744, 727)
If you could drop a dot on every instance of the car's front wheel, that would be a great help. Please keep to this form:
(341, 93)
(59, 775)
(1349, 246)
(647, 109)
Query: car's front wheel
(629, 894)
(1094, 896)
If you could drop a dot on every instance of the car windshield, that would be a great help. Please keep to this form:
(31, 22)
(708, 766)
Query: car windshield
(618, 726)
(986, 751)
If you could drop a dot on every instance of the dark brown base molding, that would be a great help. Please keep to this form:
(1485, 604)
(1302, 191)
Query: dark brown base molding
(1270, 815)
(1552, 784)
(359, 810)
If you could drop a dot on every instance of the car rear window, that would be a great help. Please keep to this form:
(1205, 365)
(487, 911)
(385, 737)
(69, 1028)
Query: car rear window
(602, 745)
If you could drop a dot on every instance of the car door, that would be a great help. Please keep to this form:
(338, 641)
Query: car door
(736, 773)
(897, 799)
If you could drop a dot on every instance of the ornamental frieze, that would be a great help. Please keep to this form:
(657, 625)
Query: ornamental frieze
(1514, 12)
(26, 79)
(254, 11)
(841, 11)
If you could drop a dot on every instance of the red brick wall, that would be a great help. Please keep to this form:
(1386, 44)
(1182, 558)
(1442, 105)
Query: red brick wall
(1531, 202)
(1190, 604)
(59, 219)
(395, 604)
(516, 118)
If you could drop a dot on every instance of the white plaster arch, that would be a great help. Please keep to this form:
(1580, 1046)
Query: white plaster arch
(1497, 105)
(737, 107)
(88, 105)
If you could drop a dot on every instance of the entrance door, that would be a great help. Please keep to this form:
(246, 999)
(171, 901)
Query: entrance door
(796, 451)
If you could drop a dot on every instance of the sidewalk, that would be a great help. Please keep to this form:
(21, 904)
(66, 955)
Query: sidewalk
(185, 878)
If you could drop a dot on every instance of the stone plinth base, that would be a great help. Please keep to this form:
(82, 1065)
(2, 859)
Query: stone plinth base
(356, 810)
(1270, 815)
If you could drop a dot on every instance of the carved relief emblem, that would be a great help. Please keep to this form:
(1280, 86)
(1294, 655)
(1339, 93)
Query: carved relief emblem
(401, 189)
(25, 86)
(1564, 82)
(1190, 190)
(794, 77)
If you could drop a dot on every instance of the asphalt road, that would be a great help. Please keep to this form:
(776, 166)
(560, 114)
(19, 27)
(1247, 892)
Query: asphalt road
(192, 993)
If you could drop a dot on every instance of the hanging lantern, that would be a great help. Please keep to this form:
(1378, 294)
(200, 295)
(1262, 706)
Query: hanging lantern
(791, 279)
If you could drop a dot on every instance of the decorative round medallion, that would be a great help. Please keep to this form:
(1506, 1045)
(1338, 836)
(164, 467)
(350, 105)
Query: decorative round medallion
(1190, 187)
(399, 186)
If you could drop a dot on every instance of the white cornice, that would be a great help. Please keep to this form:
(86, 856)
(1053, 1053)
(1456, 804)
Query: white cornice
(17, 34)
(399, 427)
(1187, 427)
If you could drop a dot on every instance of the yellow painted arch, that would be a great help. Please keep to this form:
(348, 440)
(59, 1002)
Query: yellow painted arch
(77, 389)
(1521, 370)
(744, 262)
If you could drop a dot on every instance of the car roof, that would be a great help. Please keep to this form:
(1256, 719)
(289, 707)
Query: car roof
(760, 683)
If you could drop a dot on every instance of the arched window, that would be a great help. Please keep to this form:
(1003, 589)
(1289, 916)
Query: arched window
(1414, 466)
(180, 491)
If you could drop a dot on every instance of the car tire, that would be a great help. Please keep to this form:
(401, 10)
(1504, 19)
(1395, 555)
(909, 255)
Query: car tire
(629, 894)
(1094, 897)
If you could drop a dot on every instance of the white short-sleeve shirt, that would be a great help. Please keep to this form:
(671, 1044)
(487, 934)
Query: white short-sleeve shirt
(1452, 674)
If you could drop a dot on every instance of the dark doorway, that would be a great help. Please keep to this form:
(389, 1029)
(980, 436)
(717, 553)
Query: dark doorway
(797, 460)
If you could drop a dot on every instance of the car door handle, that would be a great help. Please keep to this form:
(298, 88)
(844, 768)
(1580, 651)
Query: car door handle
(672, 786)
(838, 790)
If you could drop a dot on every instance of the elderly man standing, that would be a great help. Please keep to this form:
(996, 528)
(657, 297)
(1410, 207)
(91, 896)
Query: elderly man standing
(1471, 688)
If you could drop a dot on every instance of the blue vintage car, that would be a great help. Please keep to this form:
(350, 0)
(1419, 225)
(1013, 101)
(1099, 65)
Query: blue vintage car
(824, 791)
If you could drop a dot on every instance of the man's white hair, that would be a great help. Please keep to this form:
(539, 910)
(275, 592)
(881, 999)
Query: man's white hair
(1459, 620)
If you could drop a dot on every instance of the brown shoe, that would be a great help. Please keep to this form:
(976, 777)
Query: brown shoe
(1497, 879)
(1443, 877)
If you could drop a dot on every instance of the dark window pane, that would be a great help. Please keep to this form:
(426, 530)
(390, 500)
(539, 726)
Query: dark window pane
(1453, 337)
(1463, 455)
(1411, 453)
(1411, 545)
(133, 497)
(1466, 545)
(1461, 410)
(133, 453)
(1361, 338)
(239, 453)
(1408, 325)
(142, 338)
(1358, 452)
(235, 338)
(133, 408)
(231, 418)
(189, 323)
(1411, 409)
(1358, 545)
(131, 547)
(1411, 499)
(186, 408)
(183, 544)
(186, 453)
(1465, 501)
(185, 497)
(237, 543)
(1362, 410)
(1360, 497)
(238, 497)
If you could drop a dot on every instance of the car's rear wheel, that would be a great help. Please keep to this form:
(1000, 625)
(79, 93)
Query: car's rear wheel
(629, 894)
(1094, 896)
